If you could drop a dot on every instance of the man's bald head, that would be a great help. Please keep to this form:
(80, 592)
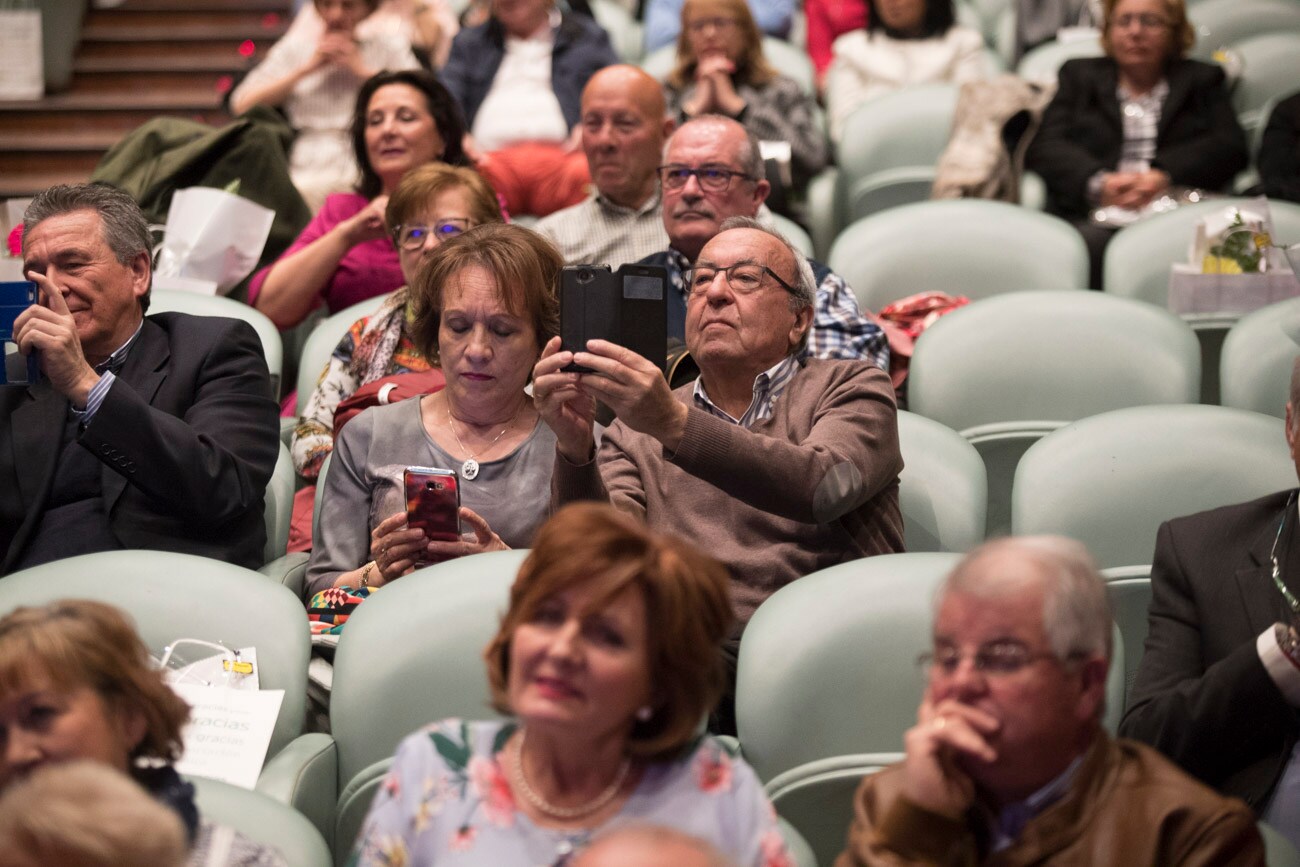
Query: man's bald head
(624, 126)
(651, 846)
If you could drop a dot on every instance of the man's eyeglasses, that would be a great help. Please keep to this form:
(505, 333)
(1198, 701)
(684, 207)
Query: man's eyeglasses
(1145, 20)
(412, 237)
(744, 278)
(714, 180)
(996, 659)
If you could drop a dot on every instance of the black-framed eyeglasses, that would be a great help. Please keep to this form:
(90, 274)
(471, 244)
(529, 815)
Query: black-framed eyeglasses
(412, 236)
(744, 278)
(712, 179)
(995, 659)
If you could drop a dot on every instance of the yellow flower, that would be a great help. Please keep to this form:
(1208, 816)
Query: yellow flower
(1263, 240)
(1219, 265)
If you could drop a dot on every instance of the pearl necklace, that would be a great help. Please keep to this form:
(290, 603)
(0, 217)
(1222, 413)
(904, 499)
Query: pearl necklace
(533, 797)
(469, 469)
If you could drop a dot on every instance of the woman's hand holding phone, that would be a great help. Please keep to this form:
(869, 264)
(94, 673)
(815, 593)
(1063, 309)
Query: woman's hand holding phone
(394, 546)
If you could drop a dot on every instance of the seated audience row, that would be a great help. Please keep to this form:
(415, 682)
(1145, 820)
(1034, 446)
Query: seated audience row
(604, 661)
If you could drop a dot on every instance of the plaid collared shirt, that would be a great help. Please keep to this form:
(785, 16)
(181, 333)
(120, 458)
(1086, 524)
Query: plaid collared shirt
(598, 232)
(768, 386)
(839, 330)
(1141, 117)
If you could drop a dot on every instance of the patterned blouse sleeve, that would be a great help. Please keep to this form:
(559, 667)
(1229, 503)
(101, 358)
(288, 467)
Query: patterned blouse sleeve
(313, 437)
(389, 831)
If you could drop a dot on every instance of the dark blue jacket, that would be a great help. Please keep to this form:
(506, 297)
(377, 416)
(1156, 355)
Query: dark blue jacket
(581, 49)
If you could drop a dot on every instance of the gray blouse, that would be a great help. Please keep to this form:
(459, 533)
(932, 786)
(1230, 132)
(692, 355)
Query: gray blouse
(365, 478)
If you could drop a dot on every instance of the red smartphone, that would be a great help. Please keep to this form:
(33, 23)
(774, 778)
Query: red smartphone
(433, 505)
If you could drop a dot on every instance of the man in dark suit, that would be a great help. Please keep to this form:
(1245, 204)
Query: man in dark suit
(144, 432)
(1219, 684)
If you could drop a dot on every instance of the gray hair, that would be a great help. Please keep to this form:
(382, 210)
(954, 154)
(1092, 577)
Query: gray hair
(751, 156)
(805, 284)
(1076, 609)
(123, 224)
(657, 835)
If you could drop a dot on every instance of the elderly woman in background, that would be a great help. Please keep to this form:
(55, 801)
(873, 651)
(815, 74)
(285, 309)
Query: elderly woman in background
(314, 77)
(721, 70)
(401, 120)
(76, 682)
(433, 203)
(905, 42)
(1125, 128)
(485, 305)
(607, 659)
(519, 77)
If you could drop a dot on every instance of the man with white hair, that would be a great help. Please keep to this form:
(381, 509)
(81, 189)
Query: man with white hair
(712, 172)
(1008, 762)
(1219, 685)
(776, 464)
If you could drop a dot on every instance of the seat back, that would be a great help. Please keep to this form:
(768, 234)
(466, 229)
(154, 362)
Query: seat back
(960, 247)
(890, 146)
(263, 820)
(176, 301)
(416, 652)
(1258, 355)
(1269, 73)
(794, 233)
(1278, 850)
(1137, 260)
(278, 506)
(1223, 23)
(943, 488)
(624, 30)
(1044, 62)
(172, 596)
(1005, 371)
(1129, 590)
(320, 344)
(843, 641)
(1110, 480)
(817, 798)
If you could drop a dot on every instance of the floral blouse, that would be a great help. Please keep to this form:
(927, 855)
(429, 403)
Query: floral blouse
(447, 800)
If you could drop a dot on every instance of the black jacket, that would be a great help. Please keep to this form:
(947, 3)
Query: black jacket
(1199, 142)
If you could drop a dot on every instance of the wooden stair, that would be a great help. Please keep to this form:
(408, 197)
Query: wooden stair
(136, 61)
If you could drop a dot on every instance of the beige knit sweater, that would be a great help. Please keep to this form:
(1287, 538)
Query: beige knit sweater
(814, 485)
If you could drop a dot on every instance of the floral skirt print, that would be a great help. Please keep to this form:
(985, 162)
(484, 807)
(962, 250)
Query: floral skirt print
(447, 800)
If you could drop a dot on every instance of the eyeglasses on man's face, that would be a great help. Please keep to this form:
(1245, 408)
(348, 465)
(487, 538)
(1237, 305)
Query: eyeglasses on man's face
(413, 236)
(744, 278)
(1145, 20)
(995, 659)
(710, 178)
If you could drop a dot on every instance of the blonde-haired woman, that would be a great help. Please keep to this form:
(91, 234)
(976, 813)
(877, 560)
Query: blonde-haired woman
(721, 70)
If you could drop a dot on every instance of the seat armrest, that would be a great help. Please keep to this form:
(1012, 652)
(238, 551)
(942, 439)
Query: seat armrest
(305, 775)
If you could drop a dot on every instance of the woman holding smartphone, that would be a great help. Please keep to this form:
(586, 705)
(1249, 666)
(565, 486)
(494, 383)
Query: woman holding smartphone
(484, 306)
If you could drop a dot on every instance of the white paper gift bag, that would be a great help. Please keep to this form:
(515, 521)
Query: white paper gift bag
(213, 235)
(22, 74)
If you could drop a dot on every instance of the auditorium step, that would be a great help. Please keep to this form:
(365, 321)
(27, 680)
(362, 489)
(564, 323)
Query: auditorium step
(137, 61)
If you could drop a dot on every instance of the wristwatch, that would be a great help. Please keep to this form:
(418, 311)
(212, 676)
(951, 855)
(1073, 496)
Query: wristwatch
(1288, 641)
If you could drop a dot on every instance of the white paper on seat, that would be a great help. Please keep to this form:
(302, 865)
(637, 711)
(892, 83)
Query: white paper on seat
(228, 733)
